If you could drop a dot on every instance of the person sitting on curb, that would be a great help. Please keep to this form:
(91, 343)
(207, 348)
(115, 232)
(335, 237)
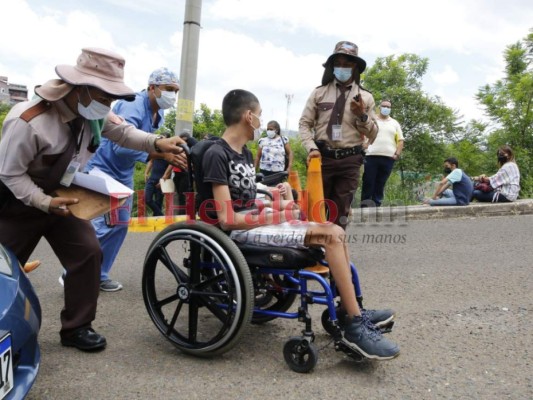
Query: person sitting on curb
(505, 183)
(461, 184)
(229, 169)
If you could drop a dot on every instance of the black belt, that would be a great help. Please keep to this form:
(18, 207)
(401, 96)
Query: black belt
(337, 154)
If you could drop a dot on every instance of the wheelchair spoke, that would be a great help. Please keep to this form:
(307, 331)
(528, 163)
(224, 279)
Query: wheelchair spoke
(211, 281)
(193, 321)
(164, 257)
(159, 304)
(215, 309)
(174, 318)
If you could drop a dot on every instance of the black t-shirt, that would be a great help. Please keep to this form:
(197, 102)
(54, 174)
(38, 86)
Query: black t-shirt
(223, 165)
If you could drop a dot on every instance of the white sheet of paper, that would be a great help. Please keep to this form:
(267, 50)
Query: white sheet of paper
(101, 182)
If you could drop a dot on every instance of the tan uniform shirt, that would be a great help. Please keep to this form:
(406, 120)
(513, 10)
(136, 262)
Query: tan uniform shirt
(317, 112)
(29, 149)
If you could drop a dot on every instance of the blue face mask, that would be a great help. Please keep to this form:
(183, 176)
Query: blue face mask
(342, 74)
(385, 111)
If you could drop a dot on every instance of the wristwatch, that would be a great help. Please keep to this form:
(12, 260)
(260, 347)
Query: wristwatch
(364, 117)
(156, 148)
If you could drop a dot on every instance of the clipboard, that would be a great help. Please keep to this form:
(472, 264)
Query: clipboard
(91, 204)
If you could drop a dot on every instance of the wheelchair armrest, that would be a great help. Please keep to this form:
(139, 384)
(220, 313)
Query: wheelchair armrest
(278, 176)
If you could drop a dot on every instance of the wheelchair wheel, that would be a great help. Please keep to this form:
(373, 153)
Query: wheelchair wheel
(271, 293)
(300, 354)
(197, 288)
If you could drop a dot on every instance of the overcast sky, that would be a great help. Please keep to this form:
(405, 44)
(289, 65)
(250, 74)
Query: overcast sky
(270, 47)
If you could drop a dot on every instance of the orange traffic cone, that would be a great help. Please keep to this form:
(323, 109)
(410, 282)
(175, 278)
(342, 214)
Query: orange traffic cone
(316, 209)
(294, 181)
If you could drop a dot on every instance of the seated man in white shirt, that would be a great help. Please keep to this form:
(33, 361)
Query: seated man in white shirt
(461, 192)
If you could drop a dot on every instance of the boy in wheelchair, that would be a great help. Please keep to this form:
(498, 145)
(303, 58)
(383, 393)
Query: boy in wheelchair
(228, 166)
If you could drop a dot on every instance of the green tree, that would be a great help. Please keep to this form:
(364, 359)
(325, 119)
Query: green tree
(208, 121)
(4, 109)
(205, 121)
(466, 148)
(509, 105)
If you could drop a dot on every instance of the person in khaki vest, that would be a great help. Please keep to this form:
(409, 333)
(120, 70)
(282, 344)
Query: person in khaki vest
(41, 140)
(337, 118)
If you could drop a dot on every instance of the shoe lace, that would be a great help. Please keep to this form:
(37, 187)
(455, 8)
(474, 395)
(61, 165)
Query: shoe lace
(373, 331)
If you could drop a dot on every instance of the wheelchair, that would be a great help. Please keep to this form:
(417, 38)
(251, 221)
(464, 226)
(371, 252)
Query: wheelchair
(202, 289)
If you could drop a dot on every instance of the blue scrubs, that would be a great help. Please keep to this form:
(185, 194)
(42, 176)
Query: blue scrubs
(119, 163)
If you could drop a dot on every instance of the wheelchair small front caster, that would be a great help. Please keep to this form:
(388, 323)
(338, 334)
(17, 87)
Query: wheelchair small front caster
(300, 354)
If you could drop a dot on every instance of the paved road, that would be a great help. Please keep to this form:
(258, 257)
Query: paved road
(462, 288)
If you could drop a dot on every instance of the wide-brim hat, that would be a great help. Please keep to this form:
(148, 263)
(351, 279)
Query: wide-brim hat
(100, 68)
(348, 49)
(345, 48)
(53, 90)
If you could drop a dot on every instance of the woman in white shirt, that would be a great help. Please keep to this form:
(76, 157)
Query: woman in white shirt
(273, 152)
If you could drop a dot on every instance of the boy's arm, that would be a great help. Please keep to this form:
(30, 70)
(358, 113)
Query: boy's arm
(230, 220)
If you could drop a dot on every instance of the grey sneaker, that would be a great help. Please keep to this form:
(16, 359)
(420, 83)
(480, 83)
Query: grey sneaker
(110, 286)
(379, 318)
(364, 337)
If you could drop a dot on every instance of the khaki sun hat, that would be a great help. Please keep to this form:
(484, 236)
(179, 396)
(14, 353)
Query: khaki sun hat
(348, 49)
(53, 90)
(96, 67)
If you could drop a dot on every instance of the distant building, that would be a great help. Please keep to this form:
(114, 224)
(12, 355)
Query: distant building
(12, 93)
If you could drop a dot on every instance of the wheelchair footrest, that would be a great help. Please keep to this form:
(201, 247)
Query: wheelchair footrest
(339, 346)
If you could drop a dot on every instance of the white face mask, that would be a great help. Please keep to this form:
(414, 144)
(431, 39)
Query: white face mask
(271, 134)
(257, 131)
(167, 99)
(95, 110)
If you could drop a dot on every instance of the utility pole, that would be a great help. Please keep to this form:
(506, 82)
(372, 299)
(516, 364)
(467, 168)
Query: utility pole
(289, 101)
(189, 66)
